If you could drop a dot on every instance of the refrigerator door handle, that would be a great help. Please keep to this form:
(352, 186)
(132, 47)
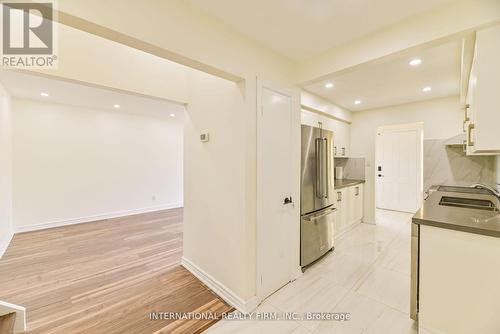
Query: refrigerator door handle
(322, 165)
(326, 213)
(319, 171)
(327, 165)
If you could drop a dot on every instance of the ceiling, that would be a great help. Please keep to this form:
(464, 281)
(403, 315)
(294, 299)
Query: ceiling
(393, 81)
(299, 29)
(30, 86)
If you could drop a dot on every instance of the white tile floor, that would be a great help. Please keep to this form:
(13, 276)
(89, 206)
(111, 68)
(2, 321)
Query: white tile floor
(368, 276)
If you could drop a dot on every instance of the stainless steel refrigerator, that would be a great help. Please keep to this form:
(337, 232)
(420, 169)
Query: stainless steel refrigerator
(317, 208)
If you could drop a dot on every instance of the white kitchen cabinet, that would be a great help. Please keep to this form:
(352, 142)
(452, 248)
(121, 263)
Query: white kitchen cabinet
(357, 198)
(458, 288)
(341, 131)
(349, 208)
(341, 222)
(341, 139)
(482, 111)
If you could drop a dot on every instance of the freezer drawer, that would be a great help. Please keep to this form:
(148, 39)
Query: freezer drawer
(316, 235)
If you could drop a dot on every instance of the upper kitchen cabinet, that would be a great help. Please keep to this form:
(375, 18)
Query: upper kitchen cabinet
(481, 107)
(340, 129)
(341, 144)
(316, 109)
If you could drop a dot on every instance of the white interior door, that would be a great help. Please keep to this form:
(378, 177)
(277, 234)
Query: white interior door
(399, 168)
(277, 218)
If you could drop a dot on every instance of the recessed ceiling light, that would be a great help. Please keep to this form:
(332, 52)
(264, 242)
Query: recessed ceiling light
(172, 115)
(357, 102)
(116, 106)
(44, 94)
(328, 85)
(426, 89)
(415, 62)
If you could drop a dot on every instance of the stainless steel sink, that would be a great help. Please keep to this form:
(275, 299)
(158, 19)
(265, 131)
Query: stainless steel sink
(469, 203)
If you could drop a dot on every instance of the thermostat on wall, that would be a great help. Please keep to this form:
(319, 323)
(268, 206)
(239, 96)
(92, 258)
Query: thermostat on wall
(204, 137)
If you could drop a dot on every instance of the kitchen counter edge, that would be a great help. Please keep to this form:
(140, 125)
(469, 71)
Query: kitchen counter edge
(344, 183)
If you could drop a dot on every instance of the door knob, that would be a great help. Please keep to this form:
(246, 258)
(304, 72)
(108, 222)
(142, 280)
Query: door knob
(287, 200)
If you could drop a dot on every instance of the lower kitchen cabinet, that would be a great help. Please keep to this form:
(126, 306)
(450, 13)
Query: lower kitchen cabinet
(458, 282)
(349, 208)
(342, 211)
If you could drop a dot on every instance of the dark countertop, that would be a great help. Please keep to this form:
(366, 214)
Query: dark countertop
(339, 184)
(459, 219)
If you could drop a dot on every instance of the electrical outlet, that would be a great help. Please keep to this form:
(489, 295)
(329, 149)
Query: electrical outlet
(153, 198)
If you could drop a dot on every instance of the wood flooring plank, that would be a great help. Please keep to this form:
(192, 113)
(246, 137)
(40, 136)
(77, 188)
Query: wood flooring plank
(106, 277)
(7, 323)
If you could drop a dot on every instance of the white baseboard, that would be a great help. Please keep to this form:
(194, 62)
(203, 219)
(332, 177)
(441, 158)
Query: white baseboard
(93, 218)
(297, 273)
(244, 306)
(5, 242)
(20, 323)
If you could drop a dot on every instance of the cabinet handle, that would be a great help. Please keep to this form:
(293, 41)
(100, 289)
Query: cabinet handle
(469, 134)
(343, 151)
(339, 196)
(357, 191)
(335, 150)
(465, 146)
(466, 116)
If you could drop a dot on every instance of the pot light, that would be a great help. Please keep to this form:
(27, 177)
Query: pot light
(44, 94)
(172, 115)
(426, 89)
(116, 106)
(357, 102)
(415, 62)
(328, 85)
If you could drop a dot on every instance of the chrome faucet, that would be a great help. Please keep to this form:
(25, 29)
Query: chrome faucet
(491, 189)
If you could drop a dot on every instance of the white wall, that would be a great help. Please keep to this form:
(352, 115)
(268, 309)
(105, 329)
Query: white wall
(442, 119)
(76, 164)
(6, 229)
(226, 110)
(215, 229)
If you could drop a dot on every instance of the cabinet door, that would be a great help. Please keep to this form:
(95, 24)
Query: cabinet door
(482, 129)
(344, 150)
(355, 204)
(358, 203)
(351, 205)
(337, 140)
(341, 221)
(342, 139)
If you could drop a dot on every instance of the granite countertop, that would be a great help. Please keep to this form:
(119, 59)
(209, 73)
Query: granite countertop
(343, 183)
(460, 219)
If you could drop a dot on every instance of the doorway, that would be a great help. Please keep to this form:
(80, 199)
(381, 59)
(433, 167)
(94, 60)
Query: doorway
(398, 174)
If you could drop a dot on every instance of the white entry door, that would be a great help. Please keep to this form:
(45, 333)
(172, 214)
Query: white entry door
(277, 226)
(399, 167)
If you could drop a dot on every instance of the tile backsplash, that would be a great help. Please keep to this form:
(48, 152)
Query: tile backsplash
(448, 165)
(354, 168)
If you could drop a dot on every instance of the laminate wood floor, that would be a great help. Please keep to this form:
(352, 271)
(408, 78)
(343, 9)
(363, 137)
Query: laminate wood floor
(106, 277)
